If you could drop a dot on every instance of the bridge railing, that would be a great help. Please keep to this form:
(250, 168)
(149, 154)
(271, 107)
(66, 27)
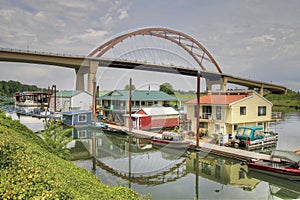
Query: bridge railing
(38, 52)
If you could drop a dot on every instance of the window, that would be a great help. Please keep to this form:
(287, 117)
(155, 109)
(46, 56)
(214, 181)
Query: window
(206, 112)
(262, 111)
(137, 103)
(203, 125)
(82, 134)
(82, 118)
(243, 110)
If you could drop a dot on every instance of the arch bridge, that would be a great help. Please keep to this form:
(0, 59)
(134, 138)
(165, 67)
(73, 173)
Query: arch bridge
(202, 60)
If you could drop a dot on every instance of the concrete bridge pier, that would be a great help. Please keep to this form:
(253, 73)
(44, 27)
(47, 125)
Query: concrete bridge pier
(90, 68)
(209, 84)
(79, 79)
(92, 72)
(261, 90)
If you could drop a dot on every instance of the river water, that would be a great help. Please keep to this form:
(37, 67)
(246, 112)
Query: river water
(165, 174)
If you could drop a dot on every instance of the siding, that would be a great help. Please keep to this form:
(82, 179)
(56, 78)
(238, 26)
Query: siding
(251, 105)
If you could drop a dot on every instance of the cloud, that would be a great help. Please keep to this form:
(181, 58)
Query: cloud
(245, 37)
(264, 38)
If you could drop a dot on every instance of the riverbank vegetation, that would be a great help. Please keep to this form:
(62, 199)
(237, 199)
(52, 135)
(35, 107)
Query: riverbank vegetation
(8, 88)
(30, 171)
(289, 100)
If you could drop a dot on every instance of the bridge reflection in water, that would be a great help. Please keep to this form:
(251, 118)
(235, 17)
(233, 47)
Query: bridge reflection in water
(135, 162)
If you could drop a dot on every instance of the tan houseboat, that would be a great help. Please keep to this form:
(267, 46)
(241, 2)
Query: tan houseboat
(222, 112)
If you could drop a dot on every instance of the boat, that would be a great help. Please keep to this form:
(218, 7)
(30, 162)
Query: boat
(31, 102)
(170, 140)
(284, 164)
(104, 127)
(254, 137)
(98, 125)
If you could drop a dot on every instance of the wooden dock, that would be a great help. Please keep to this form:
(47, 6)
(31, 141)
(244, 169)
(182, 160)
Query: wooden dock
(216, 149)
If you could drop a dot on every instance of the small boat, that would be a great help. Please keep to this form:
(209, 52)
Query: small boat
(98, 125)
(284, 164)
(254, 137)
(104, 127)
(170, 140)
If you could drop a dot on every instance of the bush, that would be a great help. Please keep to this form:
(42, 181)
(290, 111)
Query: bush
(29, 171)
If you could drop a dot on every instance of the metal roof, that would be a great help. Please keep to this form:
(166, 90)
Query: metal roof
(69, 93)
(138, 95)
(152, 111)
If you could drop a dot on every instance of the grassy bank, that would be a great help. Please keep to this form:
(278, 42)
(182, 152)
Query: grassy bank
(289, 100)
(29, 171)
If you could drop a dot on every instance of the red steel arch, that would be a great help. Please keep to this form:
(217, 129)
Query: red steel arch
(188, 43)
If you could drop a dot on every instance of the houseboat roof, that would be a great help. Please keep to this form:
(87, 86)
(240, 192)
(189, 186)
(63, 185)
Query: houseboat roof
(138, 95)
(152, 111)
(70, 93)
(76, 112)
(216, 99)
(29, 93)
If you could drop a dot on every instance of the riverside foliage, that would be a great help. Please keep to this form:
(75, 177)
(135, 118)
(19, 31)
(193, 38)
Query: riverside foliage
(30, 171)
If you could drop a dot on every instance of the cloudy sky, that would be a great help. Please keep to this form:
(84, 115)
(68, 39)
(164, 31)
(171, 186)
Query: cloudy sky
(257, 39)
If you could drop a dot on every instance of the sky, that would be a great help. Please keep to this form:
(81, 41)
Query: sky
(257, 39)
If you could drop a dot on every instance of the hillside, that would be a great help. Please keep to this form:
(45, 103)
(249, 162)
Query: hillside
(290, 100)
(28, 170)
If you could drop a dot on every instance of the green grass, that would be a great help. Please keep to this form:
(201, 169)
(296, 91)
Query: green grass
(29, 171)
(291, 99)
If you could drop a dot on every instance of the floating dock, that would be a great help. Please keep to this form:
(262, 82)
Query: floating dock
(228, 152)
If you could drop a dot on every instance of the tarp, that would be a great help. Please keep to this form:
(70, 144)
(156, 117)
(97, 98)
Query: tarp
(286, 155)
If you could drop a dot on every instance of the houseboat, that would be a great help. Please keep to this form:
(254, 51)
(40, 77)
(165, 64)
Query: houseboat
(31, 102)
(253, 137)
(170, 140)
(77, 118)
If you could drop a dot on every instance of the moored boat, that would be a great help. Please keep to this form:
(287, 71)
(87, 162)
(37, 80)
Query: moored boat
(171, 140)
(104, 127)
(98, 125)
(253, 137)
(284, 164)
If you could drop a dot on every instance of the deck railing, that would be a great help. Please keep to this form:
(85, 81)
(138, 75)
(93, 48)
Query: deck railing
(276, 115)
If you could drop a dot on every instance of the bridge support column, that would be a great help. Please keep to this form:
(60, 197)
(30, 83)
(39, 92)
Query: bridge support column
(261, 90)
(93, 66)
(224, 84)
(208, 86)
(79, 79)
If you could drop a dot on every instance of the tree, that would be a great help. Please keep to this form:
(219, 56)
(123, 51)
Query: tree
(167, 88)
(56, 138)
(127, 87)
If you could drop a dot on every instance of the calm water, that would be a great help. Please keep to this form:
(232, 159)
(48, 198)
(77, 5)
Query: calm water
(180, 175)
(168, 175)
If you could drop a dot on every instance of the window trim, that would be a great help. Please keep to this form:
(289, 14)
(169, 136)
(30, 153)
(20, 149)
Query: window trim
(82, 115)
(243, 108)
(262, 111)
